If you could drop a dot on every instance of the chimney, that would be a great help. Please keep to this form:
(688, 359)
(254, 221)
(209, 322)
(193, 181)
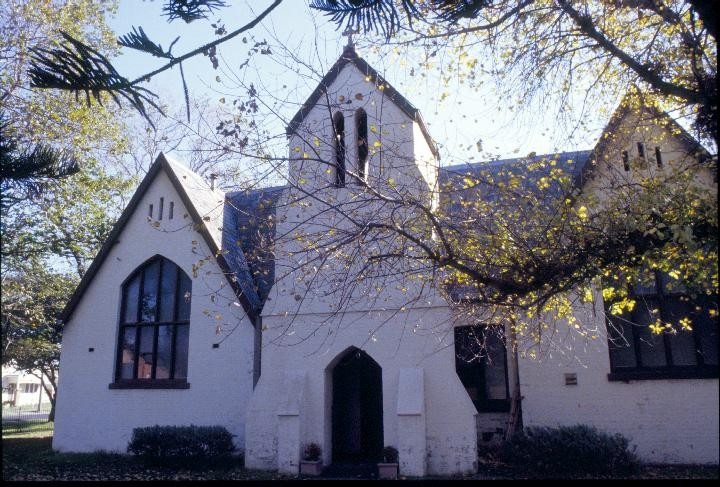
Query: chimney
(213, 177)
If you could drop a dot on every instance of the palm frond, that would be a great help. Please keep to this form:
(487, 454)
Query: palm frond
(138, 40)
(454, 11)
(189, 10)
(381, 16)
(77, 67)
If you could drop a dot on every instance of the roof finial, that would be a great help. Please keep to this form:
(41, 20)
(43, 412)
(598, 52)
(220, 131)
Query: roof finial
(348, 32)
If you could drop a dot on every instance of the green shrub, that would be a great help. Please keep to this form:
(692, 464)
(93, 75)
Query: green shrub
(570, 449)
(168, 442)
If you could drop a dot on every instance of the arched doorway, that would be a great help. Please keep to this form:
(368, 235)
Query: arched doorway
(357, 416)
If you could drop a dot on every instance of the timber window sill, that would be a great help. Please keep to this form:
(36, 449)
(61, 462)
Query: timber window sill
(150, 384)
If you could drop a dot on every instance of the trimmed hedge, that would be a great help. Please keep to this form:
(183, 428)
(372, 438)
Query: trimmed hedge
(166, 442)
(571, 450)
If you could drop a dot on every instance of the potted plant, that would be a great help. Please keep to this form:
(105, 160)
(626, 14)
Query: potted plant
(388, 468)
(311, 464)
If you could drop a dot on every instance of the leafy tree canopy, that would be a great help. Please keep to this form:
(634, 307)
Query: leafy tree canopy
(546, 46)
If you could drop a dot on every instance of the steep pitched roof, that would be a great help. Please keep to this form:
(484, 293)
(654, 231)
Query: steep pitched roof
(205, 207)
(349, 56)
(249, 225)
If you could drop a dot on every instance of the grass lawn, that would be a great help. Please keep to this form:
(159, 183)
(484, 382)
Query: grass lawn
(19, 428)
(29, 456)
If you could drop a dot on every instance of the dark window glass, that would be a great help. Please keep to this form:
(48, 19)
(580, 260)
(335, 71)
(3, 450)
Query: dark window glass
(652, 345)
(480, 362)
(183, 298)
(706, 327)
(622, 342)
(149, 293)
(132, 292)
(167, 293)
(626, 160)
(145, 353)
(682, 342)
(495, 373)
(658, 157)
(686, 347)
(181, 351)
(127, 353)
(164, 352)
(156, 349)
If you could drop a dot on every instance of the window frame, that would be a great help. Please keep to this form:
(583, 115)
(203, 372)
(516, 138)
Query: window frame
(139, 325)
(670, 370)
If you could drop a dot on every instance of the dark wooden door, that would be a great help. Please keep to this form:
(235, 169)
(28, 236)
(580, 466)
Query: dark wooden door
(357, 423)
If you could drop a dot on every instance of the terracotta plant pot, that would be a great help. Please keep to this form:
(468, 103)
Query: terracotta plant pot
(311, 468)
(387, 470)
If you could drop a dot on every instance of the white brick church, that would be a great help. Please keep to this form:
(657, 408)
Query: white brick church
(221, 309)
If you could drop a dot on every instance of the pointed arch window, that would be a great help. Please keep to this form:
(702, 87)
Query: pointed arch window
(154, 327)
(339, 132)
(361, 129)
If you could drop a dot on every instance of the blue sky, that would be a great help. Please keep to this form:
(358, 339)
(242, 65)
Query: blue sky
(457, 123)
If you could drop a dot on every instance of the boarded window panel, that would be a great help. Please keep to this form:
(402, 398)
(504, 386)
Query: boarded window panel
(127, 353)
(145, 359)
(132, 290)
(167, 291)
(181, 351)
(622, 343)
(164, 352)
(183, 297)
(149, 297)
(495, 373)
(682, 343)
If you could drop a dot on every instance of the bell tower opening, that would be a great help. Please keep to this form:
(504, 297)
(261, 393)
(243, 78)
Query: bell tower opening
(339, 133)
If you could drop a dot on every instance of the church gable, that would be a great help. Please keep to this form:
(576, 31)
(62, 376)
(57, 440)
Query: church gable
(639, 142)
(187, 202)
(154, 320)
